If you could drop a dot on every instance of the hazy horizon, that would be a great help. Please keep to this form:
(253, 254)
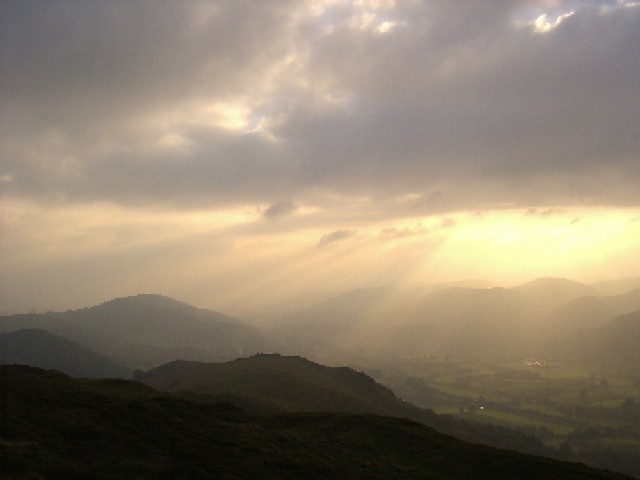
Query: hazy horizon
(388, 297)
(239, 156)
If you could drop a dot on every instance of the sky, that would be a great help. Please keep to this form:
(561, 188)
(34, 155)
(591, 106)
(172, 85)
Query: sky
(240, 155)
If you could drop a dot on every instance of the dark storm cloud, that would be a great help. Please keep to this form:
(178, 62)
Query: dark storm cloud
(493, 104)
(136, 52)
(454, 103)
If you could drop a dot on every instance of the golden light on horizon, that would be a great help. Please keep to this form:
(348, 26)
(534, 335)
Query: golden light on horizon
(237, 259)
(511, 246)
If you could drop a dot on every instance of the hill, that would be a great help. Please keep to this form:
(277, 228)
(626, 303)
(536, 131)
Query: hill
(85, 431)
(618, 343)
(617, 287)
(548, 293)
(591, 312)
(274, 383)
(598, 333)
(43, 349)
(287, 383)
(147, 330)
(160, 321)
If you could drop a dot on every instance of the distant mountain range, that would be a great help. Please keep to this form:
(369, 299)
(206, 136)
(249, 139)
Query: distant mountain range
(118, 429)
(147, 330)
(539, 318)
(548, 317)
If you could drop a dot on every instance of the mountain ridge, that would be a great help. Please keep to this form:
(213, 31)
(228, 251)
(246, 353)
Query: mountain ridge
(146, 330)
(293, 382)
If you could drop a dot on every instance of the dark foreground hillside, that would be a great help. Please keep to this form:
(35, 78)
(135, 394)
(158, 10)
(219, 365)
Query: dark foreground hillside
(60, 428)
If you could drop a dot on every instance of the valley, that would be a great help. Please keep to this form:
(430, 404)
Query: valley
(547, 368)
(579, 414)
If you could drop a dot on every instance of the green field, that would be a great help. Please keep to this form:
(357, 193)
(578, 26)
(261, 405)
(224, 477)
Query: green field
(489, 415)
(588, 415)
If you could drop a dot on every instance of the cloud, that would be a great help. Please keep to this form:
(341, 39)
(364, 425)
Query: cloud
(195, 105)
(337, 236)
(280, 209)
(223, 141)
(392, 233)
(545, 212)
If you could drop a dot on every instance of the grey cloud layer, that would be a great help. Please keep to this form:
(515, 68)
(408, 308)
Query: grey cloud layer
(454, 103)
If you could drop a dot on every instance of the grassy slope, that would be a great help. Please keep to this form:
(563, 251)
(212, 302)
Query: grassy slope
(64, 428)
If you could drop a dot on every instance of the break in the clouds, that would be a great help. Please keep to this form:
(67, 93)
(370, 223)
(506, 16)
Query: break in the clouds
(204, 104)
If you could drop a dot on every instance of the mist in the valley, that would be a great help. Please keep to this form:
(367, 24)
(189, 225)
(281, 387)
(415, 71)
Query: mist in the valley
(572, 323)
(473, 320)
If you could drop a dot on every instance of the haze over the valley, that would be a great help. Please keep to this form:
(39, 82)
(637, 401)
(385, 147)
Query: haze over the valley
(245, 155)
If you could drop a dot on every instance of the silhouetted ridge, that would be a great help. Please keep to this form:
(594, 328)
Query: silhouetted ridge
(287, 383)
(155, 301)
